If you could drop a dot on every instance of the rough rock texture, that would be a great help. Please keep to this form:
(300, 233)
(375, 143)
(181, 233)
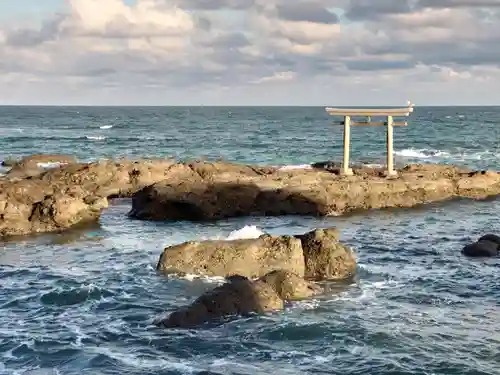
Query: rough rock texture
(246, 257)
(317, 255)
(241, 296)
(34, 201)
(486, 246)
(35, 164)
(62, 197)
(315, 191)
(290, 286)
(325, 257)
(41, 158)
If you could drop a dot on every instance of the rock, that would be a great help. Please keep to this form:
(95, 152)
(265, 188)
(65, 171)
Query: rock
(315, 191)
(316, 255)
(193, 200)
(166, 190)
(39, 159)
(73, 194)
(238, 296)
(481, 248)
(246, 257)
(33, 165)
(491, 237)
(242, 296)
(290, 286)
(325, 257)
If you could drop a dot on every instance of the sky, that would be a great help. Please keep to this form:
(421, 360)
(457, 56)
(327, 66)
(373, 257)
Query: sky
(250, 52)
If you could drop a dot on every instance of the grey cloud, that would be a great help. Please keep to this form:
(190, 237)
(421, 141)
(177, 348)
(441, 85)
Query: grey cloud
(33, 37)
(218, 4)
(293, 11)
(374, 9)
(225, 48)
(458, 3)
(377, 65)
(370, 9)
(229, 41)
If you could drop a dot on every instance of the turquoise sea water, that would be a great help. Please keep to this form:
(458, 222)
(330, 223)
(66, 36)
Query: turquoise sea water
(82, 302)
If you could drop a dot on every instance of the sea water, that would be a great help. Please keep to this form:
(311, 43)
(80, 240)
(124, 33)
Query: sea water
(82, 302)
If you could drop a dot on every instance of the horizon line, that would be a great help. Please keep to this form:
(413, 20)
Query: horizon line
(237, 106)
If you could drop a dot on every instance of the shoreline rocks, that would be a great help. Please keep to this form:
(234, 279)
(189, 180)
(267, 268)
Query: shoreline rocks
(33, 165)
(315, 192)
(36, 201)
(241, 296)
(316, 255)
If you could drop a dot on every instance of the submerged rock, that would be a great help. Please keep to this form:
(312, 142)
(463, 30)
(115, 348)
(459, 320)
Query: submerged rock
(317, 255)
(486, 246)
(241, 296)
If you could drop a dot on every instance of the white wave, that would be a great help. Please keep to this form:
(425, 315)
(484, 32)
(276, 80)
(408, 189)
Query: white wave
(310, 304)
(457, 155)
(106, 127)
(138, 362)
(47, 165)
(421, 153)
(293, 167)
(247, 232)
(95, 138)
(369, 291)
(204, 278)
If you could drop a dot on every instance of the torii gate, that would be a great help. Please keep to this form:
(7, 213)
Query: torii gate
(390, 113)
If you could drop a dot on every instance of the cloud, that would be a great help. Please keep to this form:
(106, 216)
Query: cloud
(225, 51)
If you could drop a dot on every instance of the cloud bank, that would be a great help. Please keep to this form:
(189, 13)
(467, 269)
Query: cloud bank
(236, 52)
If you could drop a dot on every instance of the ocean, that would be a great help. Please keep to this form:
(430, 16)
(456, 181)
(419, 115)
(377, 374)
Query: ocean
(83, 301)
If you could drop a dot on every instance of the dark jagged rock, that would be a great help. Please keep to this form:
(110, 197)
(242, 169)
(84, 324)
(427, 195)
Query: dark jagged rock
(491, 237)
(241, 296)
(481, 249)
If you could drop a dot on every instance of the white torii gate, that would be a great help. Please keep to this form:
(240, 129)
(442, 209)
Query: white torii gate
(390, 113)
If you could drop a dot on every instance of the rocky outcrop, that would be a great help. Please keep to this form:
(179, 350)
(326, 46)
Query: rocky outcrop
(31, 160)
(317, 255)
(313, 191)
(246, 257)
(33, 201)
(33, 165)
(290, 286)
(325, 257)
(63, 197)
(486, 246)
(242, 296)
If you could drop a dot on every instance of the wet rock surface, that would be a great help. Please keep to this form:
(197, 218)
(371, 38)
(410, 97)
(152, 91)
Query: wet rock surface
(316, 192)
(316, 255)
(485, 247)
(240, 295)
(34, 200)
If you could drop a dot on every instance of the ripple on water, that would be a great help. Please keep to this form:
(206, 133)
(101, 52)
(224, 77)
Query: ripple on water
(416, 306)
